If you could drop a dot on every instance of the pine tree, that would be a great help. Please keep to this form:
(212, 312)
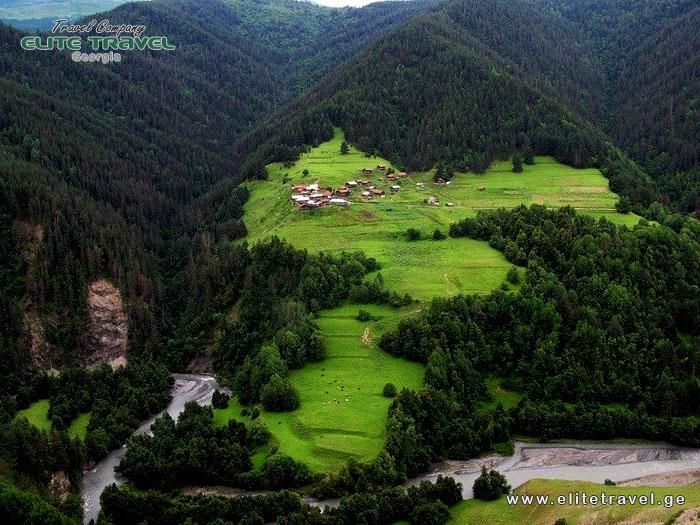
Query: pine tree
(517, 162)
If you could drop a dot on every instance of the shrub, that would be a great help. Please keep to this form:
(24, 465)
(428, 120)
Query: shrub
(389, 390)
(623, 205)
(412, 234)
(430, 513)
(364, 316)
(490, 485)
(438, 235)
(279, 395)
(305, 172)
(610, 482)
(513, 275)
(219, 399)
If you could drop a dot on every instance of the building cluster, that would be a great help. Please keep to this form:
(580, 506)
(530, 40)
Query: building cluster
(313, 196)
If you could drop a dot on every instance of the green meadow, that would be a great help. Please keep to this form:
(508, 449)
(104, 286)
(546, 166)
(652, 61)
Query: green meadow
(499, 512)
(343, 412)
(38, 415)
(426, 268)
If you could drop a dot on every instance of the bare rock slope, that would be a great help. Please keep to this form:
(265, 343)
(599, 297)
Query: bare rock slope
(107, 340)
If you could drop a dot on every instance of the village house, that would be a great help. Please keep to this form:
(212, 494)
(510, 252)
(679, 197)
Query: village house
(420, 184)
(351, 183)
(381, 167)
(378, 192)
(391, 176)
(403, 174)
(366, 194)
(342, 192)
(395, 187)
(366, 170)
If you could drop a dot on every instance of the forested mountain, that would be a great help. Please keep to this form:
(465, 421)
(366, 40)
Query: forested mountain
(108, 159)
(649, 53)
(461, 86)
(455, 86)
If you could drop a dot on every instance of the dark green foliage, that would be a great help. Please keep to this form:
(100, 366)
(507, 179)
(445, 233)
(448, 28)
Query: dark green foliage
(528, 156)
(125, 505)
(389, 390)
(517, 162)
(412, 234)
(623, 205)
(219, 399)
(18, 506)
(283, 286)
(344, 148)
(364, 316)
(282, 472)
(438, 235)
(430, 513)
(279, 395)
(597, 298)
(192, 451)
(513, 275)
(490, 485)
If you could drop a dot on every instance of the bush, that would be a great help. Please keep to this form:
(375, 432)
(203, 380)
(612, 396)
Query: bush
(389, 390)
(623, 205)
(364, 316)
(490, 485)
(513, 275)
(610, 482)
(438, 235)
(430, 513)
(219, 399)
(279, 395)
(412, 234)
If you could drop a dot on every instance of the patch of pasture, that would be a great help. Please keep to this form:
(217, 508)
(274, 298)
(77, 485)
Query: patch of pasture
(343, 412)
(78, 427)
(37, 414)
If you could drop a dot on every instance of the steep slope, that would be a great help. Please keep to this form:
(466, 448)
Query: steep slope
(650, 54)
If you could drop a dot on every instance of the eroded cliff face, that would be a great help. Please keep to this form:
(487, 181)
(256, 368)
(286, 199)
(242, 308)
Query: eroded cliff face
(109, 325)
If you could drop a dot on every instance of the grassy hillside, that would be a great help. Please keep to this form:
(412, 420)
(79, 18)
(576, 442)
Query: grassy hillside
(476, 512)
(426, 268)
(328, 429)
(343, 412)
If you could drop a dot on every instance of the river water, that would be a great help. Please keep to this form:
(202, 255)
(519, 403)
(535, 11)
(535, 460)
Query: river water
(185, 389)
(579, 461)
